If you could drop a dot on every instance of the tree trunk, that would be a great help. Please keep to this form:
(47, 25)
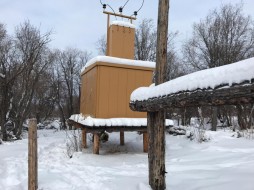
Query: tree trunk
(3, 129)
(214, 118)
(241, 114)
(4, 109)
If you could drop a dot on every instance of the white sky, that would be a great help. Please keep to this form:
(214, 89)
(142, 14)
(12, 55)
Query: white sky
(79, 23)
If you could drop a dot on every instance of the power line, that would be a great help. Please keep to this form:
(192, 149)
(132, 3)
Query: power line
(141, 6)
(126, 3)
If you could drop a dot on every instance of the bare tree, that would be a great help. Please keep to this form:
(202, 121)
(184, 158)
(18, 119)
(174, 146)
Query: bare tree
(225, 36)
(31, 52)
(145, 48)
(101, 45)
(69, 63)
(145, 41)
(7, 70)
(44, 100)
(22, 62)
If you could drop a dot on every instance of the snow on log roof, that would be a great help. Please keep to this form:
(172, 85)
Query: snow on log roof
(123, 23)
(119, 61)
(210, 78)
(99, 122)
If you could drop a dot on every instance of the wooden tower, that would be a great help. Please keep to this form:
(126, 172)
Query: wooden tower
(108, 81)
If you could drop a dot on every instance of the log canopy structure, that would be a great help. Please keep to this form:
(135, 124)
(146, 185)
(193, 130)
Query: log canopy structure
(231, 84)
(223, 94)
(227, 85)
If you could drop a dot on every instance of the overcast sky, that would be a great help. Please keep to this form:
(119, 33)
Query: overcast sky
(79, 23)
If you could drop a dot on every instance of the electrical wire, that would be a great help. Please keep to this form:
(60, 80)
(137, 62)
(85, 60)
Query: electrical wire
(112, 10)
(125, 3)
(136, 12)
(141, 6)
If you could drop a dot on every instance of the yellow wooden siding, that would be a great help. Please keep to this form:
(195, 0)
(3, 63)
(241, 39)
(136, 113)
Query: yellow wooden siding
(121, 42)
(106, 90)
(89, 92)
(116, 86)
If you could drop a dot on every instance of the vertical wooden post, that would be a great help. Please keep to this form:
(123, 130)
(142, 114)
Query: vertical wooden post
(156, 120)
(108, 22)
(32, 155)
(145, 142)
(121, 138)
(151, 153)
(156, 151)
(84, 144)
(96, 143)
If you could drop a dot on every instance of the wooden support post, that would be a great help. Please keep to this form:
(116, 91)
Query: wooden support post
(108, 22)
(156, 151)
(150, 131)
(145, 142)
(84, 144)
(32, 155)
(121, 138)
(156, 120)
(96, 143)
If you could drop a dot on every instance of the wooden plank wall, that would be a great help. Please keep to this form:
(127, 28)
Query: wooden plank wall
(88, 101)
(115, 88)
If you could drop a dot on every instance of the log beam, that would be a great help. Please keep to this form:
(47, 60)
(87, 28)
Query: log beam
(233, 95)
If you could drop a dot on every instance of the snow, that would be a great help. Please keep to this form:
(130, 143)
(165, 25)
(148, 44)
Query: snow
(56, 124)
(222, 163)
(2, 75)
(118, 61)
(123, 23)
(97, 122)
(209, 78)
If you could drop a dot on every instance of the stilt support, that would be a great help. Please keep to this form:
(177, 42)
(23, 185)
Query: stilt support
(84, 143)
(121, 138)
(96, 143)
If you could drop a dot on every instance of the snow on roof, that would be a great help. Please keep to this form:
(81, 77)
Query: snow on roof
(227, 74)
(97, 122)
(123, 23)
(120, 61)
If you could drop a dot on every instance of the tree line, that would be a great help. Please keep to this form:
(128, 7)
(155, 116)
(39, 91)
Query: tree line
(37, 81)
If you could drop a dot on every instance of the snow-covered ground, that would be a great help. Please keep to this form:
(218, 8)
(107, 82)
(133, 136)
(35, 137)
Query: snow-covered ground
(223, 163)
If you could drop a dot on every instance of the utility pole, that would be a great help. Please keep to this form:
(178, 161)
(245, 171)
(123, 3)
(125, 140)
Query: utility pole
(156, 120)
